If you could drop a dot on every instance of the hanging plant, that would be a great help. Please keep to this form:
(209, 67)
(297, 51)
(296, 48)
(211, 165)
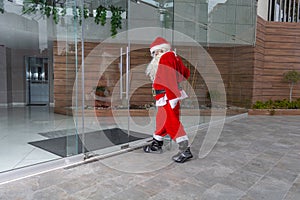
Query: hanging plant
(30, 7)
(50, 8)
(85, 14)
(116, 19)
(55, 15)
(75, 13)
(46, 8)
(63, 12)
(100, 15)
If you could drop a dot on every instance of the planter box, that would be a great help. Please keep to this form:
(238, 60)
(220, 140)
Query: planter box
(274, 112)
(122, 112)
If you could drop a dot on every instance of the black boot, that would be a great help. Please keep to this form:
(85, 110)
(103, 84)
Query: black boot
(155, 146)
(184, 152)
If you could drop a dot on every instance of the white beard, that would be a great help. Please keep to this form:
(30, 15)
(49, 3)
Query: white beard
(152, 67)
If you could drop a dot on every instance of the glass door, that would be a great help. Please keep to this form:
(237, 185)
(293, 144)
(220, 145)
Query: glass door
(101, 99)
(114, 98)
(107, 92)
(147, 20)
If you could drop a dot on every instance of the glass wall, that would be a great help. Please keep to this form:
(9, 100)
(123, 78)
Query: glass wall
(73, 76)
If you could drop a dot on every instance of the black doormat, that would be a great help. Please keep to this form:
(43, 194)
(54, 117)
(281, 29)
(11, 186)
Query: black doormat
(65, 146)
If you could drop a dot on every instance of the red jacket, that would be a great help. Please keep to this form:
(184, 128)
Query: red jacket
(171, 71)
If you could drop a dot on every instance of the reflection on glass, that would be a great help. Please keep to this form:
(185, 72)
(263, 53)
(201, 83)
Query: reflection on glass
(217, 22)
(213, 3)
(37, 69)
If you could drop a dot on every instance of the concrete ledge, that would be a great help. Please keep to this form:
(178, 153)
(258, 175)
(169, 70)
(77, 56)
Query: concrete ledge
(151, 112)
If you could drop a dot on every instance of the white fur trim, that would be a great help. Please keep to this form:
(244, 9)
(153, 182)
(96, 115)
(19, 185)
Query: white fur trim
(182, 138)
(162, 101)
(157, 137)
(173, 102)
(161, 46)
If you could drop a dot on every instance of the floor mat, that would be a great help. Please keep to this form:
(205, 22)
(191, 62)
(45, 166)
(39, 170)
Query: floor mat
(65, 146)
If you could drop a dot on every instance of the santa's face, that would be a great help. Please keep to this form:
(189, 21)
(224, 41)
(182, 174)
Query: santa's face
(153, 65)
(157, 53)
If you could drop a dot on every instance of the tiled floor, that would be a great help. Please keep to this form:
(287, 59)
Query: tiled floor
(20, 125)
(255, 158)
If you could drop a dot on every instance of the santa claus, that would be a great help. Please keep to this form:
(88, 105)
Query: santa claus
(166, 70)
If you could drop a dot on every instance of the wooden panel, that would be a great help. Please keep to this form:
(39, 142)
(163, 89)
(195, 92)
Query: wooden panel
(249, 73)
(281, 53)
(96, 74)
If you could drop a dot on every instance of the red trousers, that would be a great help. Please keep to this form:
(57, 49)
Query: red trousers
(168, 122)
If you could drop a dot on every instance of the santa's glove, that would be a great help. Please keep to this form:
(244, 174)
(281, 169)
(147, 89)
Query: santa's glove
(173, 102)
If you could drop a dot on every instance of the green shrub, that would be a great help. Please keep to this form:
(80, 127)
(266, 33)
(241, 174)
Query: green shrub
(277, 104)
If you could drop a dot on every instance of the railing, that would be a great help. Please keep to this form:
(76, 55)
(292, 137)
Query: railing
(284, 10)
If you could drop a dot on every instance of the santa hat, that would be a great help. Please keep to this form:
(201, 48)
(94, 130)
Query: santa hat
(159, 43)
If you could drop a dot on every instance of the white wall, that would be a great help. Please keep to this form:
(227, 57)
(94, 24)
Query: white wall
(262, 9)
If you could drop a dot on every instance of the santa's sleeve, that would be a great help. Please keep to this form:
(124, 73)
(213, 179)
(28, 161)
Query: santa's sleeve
(167, 75)
(184, 71)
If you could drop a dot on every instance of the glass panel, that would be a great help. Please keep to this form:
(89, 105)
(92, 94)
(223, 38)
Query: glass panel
(217, 22)
(232, 22)
(191, 19)
(140, 40)
(231, 36)
(38, 61)
(118, 98)
(65, 38)
(103, 79)
(71, 39)
(97, 87)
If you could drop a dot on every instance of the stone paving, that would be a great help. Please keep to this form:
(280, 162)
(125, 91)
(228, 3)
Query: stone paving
(257, 157)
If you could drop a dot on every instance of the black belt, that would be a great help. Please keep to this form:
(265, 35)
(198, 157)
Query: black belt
(156, 92)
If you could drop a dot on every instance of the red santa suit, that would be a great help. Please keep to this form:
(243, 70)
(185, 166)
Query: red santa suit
(170, 72)
(166, 70)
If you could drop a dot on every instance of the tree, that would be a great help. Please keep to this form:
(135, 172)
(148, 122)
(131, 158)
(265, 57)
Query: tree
(292, 77)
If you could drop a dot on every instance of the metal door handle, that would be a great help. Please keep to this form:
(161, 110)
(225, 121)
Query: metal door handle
(127, 72)
(121, 73)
